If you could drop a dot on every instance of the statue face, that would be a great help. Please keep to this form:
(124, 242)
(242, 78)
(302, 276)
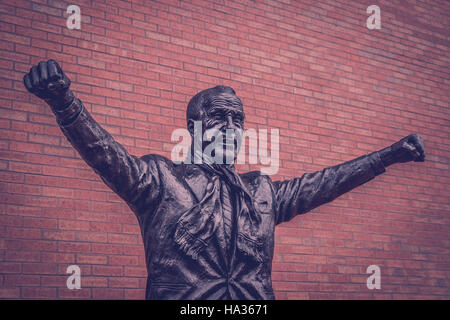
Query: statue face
(225, 113)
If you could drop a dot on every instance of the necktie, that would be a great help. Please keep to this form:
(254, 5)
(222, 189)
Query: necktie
(227, 210)
(199, 223)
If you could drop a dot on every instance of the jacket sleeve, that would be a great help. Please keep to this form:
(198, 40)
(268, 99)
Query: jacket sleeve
(300, 195)
(128, 176)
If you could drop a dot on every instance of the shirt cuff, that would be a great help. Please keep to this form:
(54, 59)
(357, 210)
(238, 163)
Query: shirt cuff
(69, 115)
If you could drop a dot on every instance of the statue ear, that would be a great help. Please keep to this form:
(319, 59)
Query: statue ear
(190, 127)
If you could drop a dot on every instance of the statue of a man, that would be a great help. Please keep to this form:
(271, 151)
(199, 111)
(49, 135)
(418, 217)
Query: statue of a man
(208, 232)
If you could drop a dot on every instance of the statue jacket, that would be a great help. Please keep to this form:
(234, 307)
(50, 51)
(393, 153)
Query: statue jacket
(158, 191)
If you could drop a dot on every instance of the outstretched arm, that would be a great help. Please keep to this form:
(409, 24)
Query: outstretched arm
(124, 173)
(300, 195)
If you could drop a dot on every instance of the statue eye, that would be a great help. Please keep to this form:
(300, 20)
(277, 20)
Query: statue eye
(238, 118)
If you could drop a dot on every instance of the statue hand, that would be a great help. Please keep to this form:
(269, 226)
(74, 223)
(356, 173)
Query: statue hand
(48, 82)
(409, 148)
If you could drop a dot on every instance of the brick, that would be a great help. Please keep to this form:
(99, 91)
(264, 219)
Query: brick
(122, 238)
(135, 294)
(94, 282)
(123, 283)
(110, 294)
(10, 293)
(123, 260)
(91, 259)
(22, 256)
(91, 236)
(31, 245)
(73, 225)
(39, 268)
(74, 247)
(109, 271)
(39, 293)
(107, 248)
(54, 257)
(10, 267)
(136, 271)
(23, 233)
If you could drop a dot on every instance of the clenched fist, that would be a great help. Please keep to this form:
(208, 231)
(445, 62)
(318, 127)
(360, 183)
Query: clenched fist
(48, 82)
(410, 148)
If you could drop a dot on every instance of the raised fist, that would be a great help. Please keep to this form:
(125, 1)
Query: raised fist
(48, 82)
(409, 148)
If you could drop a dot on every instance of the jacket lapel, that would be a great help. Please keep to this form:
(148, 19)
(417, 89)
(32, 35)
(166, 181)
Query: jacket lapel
(197, 180)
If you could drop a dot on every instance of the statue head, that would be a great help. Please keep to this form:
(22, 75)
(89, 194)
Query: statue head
(219, 111)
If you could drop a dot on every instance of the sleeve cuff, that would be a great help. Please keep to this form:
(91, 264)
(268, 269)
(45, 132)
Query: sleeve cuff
(376, 163)
(69, 115)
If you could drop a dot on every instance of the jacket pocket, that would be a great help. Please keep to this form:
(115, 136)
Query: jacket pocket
(263, 206)
(167, 290)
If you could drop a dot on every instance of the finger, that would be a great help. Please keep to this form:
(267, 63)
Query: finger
(413, 151)
(53, 70)
(420, 145)
(417, 142)
(65, 80)
(421, 158)
(59, 69)
(27, 82)
(34, 76)
(43, 71)
(52, 86)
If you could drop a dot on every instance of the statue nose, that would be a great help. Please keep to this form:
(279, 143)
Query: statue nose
(230, 123)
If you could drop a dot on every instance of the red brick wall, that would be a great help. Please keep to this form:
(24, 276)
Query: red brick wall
(334, 88)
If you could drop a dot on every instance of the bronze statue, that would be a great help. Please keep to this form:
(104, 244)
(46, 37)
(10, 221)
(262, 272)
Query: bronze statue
(208, 232)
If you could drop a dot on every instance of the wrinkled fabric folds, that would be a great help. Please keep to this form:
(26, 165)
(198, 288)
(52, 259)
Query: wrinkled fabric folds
(179, 210)
(200, 222)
